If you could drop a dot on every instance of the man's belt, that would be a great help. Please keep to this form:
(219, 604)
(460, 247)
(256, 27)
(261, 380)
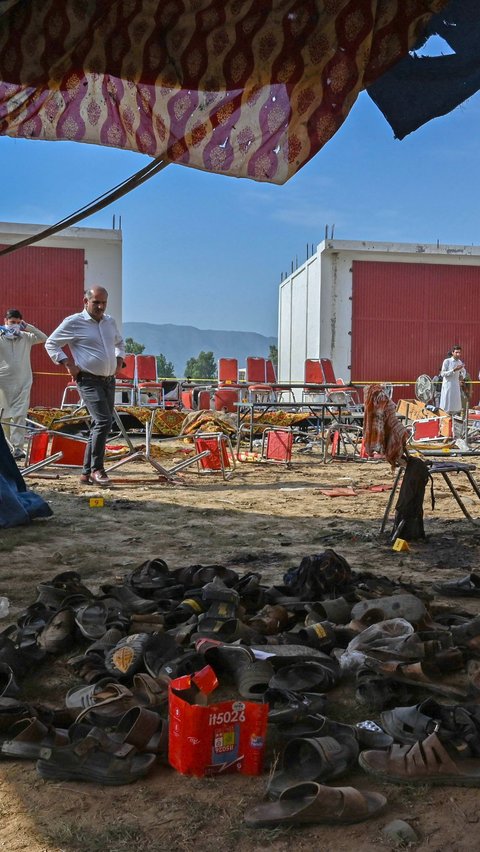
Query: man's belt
(92, 375)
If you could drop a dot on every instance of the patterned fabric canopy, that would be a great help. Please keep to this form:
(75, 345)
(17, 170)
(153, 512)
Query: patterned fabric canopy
(250, 88)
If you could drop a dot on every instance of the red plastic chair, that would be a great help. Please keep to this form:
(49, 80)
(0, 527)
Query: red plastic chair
(313, 375)
(228, 372)
(426, 430)
(220, 458)
(277, 444)
(225, 398)
(348, 396)
(49, 446)
(258, 388)
(271, 377)
(149, 389)
(125, 390)
(329, 376)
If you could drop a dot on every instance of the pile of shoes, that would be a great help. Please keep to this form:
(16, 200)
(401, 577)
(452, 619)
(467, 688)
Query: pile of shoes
(288, 645)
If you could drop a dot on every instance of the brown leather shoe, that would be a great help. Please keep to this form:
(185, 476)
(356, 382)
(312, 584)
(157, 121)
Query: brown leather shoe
(85, 479)
(99, 477)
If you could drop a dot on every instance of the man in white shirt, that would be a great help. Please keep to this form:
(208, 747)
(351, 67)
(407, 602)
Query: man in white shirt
(97, 351)
(16, 340)
(452, 372)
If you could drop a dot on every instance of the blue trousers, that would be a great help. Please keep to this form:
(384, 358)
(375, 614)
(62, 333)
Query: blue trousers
(98, 394)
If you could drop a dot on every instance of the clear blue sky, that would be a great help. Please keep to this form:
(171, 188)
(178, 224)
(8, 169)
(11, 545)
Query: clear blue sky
(208, 251)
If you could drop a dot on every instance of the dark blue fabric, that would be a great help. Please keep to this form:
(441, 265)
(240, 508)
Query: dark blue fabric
(17, 505)
(419, 88)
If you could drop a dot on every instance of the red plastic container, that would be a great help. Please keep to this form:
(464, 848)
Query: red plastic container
(211, 739)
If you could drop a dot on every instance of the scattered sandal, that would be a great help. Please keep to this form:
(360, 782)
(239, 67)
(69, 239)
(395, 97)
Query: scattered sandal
(427, 762)
(312, 803)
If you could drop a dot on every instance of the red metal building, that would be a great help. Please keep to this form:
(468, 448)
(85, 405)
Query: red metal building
(46, 282)
(381, 311)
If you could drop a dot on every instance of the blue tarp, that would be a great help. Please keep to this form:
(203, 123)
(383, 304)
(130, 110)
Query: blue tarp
(17, 504)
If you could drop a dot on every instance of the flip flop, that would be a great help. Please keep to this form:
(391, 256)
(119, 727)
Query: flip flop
(104, 702)
(91, 619)
(126, 657)
(312, 803)
(312, 759)
(150, 576)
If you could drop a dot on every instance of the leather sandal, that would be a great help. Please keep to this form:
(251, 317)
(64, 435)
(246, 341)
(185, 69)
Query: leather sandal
(310, 803)
(95, 757)
(415, 674)
(143, 729)
(25, 738)
(409, 725)
(427, 762)
(312, 759)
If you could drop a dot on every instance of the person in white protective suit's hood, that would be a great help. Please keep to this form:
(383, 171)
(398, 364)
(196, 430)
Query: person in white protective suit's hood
(16, 340)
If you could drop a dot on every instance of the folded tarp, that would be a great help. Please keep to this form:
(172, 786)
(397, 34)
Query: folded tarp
(17, 505)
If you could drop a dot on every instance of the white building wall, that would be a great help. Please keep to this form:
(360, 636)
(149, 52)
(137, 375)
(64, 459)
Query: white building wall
(103, 255)
(315, 302)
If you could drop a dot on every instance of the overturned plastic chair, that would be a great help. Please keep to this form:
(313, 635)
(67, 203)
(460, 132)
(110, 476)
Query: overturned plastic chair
(220, 457)
(277, 443)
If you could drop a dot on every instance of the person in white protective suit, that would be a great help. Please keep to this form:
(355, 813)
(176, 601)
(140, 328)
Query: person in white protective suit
(452, 372)
(16, 340)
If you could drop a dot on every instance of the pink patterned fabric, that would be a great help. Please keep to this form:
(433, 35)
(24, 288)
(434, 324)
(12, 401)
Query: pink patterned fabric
(250, 88)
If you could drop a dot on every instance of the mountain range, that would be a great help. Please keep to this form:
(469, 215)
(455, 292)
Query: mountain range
(180, 342)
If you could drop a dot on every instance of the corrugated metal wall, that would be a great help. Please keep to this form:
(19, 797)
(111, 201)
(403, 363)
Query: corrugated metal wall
(405, 316)
(46, 285)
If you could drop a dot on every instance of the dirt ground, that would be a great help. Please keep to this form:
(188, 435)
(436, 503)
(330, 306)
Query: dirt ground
(266, 518)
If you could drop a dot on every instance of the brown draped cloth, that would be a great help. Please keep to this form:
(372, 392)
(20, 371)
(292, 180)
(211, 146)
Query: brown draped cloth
(382, 430)
(248, 88)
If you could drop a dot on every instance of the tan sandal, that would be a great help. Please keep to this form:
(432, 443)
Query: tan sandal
(426, 762)
(311, 803)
